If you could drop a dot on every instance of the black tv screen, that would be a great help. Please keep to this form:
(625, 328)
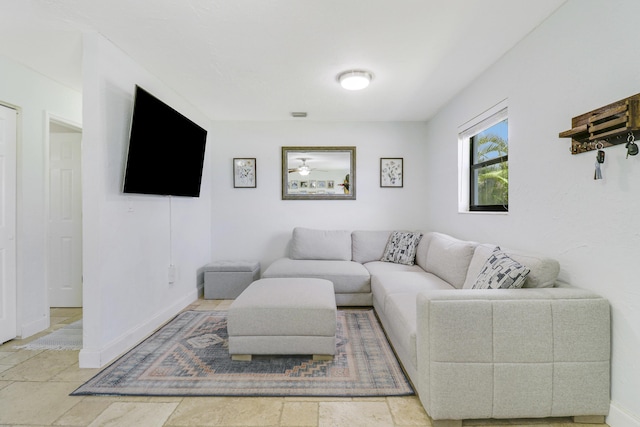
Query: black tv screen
(166, 150)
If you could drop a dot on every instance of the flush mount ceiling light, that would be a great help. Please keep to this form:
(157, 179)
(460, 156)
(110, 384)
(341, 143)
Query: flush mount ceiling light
(355, 79)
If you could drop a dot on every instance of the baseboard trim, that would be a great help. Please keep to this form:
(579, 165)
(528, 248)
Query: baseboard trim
(34, 327)
(620, 417)
(90, 358)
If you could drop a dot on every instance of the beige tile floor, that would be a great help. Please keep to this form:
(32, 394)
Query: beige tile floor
(35, 387)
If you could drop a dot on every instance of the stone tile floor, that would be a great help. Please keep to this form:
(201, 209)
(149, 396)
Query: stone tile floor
(35, 387)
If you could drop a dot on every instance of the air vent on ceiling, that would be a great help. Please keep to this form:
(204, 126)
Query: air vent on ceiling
(299, 114)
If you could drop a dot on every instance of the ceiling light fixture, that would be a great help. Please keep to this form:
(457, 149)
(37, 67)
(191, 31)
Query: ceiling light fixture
(304, 170)
(355, 79)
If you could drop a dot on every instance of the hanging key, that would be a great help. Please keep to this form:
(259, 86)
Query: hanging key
(599, 161)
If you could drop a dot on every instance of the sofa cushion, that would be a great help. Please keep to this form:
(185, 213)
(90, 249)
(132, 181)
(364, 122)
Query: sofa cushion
(449, 258)
(377, 267)
(422, 249)
(368, 245)
(543, 271)
(313, 244)
(501, 272)
(347, 276)
(406, 282)
(401, 313)
(401, 247)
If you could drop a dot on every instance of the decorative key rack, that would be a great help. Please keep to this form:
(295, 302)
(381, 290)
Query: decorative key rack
(607, 126)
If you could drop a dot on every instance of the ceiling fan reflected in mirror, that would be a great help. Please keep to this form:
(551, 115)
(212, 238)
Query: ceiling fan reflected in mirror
(303, 169)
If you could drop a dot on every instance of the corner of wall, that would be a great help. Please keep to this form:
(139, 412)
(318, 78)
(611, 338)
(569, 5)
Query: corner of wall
(32, 328)
(97, 358)
(619, 417)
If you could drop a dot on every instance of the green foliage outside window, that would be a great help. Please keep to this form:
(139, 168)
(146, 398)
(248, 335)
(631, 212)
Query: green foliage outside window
(490, 169)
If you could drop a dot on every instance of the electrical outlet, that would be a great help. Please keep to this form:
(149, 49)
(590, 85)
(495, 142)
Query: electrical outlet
(171, 274)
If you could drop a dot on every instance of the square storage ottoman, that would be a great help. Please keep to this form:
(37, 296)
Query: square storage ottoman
(227, 279)
(280, 316)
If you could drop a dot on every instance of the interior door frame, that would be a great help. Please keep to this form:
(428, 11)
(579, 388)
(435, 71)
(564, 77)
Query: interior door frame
(48, 118)
(18, 211)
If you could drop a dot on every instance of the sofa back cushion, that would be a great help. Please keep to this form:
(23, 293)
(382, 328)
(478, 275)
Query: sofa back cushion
(368, 245)
(543, 271)
(422, 249)
(449, 258)
(307, 243)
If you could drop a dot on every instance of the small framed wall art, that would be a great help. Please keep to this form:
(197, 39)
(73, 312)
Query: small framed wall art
(244, 172)
(391, 172)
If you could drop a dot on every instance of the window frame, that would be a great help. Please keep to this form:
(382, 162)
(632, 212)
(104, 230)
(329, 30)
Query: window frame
(479, 165)
(466, 182)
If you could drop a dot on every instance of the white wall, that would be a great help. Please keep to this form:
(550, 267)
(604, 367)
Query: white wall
(256, 223)
(33, 95)
(128, 239)
(583, 57)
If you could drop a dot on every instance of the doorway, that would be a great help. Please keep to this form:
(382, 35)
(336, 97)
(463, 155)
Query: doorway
(8, 179)
(64, 209)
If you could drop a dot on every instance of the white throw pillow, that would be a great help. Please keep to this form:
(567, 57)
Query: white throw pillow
(501, 272)
(401, 247)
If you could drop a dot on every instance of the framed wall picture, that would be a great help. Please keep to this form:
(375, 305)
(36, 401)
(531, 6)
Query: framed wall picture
(391, 172)
(244, 173)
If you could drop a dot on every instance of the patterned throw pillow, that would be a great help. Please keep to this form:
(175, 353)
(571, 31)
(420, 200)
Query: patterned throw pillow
(501, 272)
(401, 247)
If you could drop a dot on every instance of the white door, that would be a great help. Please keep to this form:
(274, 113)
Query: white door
(8, 314)
(65, 216)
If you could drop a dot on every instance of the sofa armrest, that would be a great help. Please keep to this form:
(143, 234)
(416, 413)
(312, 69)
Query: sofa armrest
(513, 353)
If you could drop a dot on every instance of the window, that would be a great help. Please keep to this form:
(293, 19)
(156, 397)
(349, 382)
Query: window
(489, 169)
(484, 166)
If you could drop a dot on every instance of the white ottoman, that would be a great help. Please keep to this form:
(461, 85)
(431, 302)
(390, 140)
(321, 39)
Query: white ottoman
(283, 316)
(227, 279)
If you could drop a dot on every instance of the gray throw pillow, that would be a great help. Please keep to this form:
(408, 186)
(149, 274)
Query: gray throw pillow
(401, 247)
(501, 272)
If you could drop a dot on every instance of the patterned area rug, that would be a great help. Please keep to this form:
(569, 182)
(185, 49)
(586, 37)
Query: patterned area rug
(68, 337)
(189, 357)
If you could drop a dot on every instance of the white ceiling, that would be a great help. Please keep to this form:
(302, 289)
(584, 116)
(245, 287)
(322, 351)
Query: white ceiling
(263, 59)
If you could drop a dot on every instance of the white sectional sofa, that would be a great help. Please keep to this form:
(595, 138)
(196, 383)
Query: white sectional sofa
(542, 350)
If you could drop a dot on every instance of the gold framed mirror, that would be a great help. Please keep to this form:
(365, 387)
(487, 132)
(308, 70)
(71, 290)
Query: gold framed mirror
(318, 173)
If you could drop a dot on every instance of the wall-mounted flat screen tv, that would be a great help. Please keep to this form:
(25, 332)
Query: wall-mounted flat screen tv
(166, 150)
